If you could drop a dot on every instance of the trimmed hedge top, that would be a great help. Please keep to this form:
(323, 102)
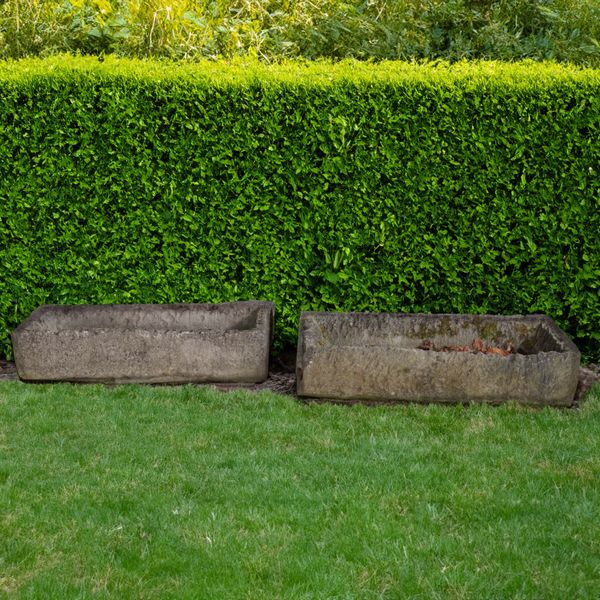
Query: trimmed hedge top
(527, 74)
(471, 187)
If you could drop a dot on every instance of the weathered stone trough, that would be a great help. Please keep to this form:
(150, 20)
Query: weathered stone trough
(146, 343)
(410, 357)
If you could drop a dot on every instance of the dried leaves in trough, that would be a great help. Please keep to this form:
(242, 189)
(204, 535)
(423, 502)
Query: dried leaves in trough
(477, 346)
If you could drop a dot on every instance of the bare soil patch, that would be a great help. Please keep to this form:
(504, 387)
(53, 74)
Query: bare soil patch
(7, 370)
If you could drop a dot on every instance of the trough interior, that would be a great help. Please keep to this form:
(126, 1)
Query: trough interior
(527, 336)
(145, 317)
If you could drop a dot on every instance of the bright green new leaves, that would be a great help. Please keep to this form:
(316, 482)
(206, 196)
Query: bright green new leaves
(348, 186)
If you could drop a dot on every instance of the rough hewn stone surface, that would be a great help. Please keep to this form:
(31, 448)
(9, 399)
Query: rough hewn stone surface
(361, 356)
(146, 343)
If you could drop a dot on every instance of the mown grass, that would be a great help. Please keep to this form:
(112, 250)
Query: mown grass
(185, 492)
(567, 30)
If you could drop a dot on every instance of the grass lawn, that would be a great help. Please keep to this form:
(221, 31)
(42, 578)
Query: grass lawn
(185, 492)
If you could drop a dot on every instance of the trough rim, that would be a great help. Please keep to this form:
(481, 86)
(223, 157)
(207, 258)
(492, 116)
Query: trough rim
(262, 306)
(540, 318)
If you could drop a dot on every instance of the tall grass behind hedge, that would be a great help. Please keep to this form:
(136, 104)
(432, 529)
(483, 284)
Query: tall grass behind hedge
(564, 30)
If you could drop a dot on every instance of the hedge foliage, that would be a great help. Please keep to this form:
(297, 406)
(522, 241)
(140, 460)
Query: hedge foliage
(471, 187)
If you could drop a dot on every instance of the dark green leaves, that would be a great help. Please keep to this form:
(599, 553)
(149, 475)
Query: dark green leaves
(471, 188)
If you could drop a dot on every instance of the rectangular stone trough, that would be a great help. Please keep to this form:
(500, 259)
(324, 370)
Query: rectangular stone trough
(415, 357)
(146, 343)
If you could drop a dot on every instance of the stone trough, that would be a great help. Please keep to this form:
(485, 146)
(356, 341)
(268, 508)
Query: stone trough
(416, 357)
(146, 343)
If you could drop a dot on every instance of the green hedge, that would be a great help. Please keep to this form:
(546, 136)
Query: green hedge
(471, 187)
